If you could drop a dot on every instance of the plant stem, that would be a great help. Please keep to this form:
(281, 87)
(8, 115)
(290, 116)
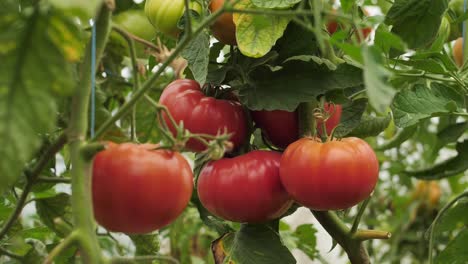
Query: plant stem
(49, 153)
(363, 235)
(307, 123)
(149, 83)
(46, 179)
(357, 219)
(69, 240)
(81, 169)
(135, 72)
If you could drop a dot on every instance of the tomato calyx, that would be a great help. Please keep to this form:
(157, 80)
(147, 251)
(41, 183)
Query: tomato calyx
(216, 145)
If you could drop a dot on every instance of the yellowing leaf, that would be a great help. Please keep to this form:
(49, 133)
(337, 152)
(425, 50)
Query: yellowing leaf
(256, 34)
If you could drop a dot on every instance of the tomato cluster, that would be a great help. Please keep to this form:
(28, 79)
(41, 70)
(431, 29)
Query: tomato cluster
(150, 187)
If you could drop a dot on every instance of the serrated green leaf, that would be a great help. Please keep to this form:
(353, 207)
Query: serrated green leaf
(405, 134)
(296, 82)
(452, 133)
(418, 103)
(49, 209)
(307, 240)
(27, 87)
(197, 55)
(416, 22)
(450, 167)
(351, 117)
(275, 3)
(386, 40)
(252, 244)
(455, 252)
(379, 91)
(370, 126)
(256, 34)
(296, 41)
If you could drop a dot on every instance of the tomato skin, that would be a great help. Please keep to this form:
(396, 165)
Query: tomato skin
(224, 29)
(246, 188)
(282, 127)
(137, 190)
(458, 52)
(201, 114)
(165, 14)
(329, 176)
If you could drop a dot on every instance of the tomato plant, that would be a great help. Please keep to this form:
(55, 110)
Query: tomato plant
(282, 127)
(334, 175)
(151, 77)
(246, 188)
(202, 114)
(137, 189)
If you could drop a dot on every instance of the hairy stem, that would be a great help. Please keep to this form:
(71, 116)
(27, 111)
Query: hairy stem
(81, 169)
(69, 240)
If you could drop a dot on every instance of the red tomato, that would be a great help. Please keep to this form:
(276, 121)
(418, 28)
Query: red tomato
(332, 26)
(246, 188)
(137, 190)
(201, 114)
(329, 176)
(223, 28)
(282, 127)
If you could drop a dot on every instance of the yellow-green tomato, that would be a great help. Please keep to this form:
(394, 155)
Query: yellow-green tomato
(165, 14)
(135, 22)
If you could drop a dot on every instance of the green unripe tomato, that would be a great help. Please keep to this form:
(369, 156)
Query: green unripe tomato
(135, 22)
(165, 14)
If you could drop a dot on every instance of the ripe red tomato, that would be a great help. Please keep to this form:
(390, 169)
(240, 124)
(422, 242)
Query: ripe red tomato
(329, 176)
(201, 114)
(223, 28)
(137, 190)
(332, 26)
(282, 127)
(458, 52)
(246, 188)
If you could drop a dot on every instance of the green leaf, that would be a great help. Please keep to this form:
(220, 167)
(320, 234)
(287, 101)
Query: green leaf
(455, 218)
(371, 126)
(296, 41)
(450, 167)
(412, 105)
(49, 209)
(197, 56)
(296, 82)
(452, 133)
(256, 34)
(376, 79)
(83, 9)
(252, 244)
(351, 117)
(147, 244)
(405, 134)
(416, 22)
(307, 240)
(37, 53)
(386, 40)
(275, 3)
(455, 252)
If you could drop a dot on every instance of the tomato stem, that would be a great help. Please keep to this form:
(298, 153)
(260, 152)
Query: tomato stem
(81, 169)
(307, 122)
